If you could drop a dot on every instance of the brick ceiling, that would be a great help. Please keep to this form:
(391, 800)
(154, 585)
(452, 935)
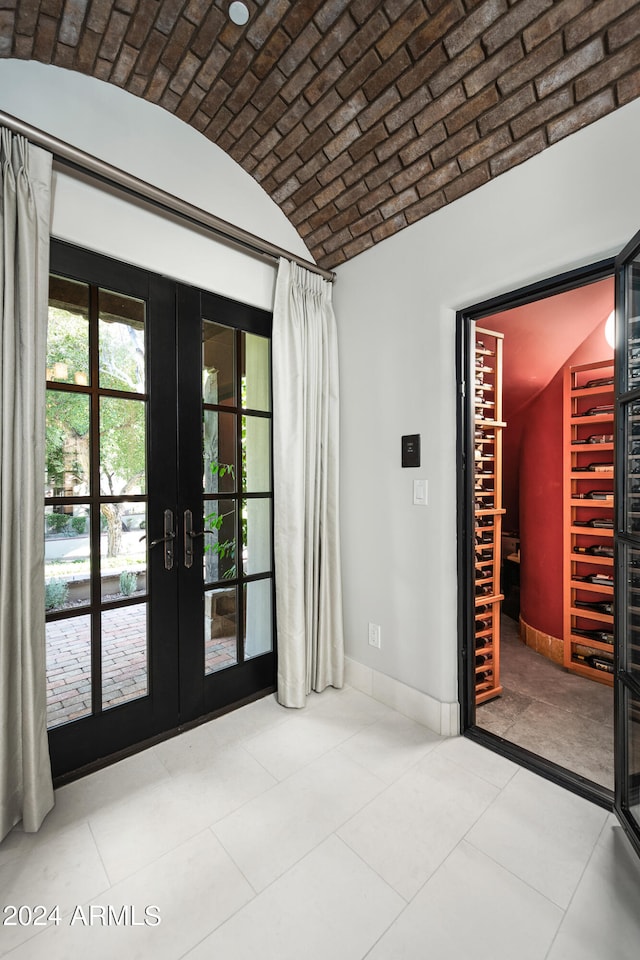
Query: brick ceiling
(358, 118)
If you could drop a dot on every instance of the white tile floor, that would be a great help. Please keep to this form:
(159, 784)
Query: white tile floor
(342, 831)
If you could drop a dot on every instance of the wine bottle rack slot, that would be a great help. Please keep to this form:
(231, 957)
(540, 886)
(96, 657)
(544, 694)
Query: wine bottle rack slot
(588, 519)
(488, 429)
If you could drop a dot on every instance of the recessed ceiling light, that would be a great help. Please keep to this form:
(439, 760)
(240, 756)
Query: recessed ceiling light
(239, 13)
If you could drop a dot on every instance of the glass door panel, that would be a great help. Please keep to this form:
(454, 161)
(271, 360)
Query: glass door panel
(627, 540)
(158, 506)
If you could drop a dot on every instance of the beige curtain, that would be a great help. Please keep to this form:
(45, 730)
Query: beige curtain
(26, 791)
(306, 522)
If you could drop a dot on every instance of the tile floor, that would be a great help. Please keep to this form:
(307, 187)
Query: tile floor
(556, 714)
(343, 831)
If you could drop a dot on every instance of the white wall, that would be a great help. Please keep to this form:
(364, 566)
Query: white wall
(574, 204)
(154, 146)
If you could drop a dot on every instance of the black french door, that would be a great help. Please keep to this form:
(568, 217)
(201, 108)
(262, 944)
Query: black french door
(627, 540)
(158, 506)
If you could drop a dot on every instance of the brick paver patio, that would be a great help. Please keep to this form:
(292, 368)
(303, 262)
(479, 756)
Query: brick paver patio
(124, 661)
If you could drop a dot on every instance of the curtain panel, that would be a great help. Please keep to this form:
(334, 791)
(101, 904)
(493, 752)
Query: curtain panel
(306, 524)
(26, 791)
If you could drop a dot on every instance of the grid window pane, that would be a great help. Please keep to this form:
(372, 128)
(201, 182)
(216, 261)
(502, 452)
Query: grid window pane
(121, 349)
(68, 644)
(220, 629)
(124, 654)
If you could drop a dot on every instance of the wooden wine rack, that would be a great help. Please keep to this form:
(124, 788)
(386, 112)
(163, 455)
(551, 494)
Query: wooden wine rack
(588, 522)
(488, 427)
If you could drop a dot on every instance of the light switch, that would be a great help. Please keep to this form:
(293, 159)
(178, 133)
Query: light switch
(420, 492)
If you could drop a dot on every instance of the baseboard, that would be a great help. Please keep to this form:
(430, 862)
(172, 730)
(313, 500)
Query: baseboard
(442, 718)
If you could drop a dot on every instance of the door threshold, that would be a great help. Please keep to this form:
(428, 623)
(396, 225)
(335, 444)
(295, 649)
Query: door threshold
(112, 758)
(589, 789)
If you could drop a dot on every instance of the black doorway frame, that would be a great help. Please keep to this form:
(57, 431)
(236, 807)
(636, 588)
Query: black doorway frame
(465, 318)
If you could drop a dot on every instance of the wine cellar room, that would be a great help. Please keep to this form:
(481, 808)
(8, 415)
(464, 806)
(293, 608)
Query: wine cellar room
(543, 505)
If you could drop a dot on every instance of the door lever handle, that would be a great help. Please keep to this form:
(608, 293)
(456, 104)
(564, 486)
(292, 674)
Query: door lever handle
(189, 536)
(167, 539)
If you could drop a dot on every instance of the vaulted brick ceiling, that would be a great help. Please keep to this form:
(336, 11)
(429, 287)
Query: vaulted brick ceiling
(358, 118)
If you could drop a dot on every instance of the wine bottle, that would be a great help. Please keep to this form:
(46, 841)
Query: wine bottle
(599, 522)
(482, 658)
(593, 468)
(594, 495)
(596, 550)
(482, 625)
(602, 636)
(597, 411)
(482, 676)
(601, 579)
(595, 438)
(598, 606)
(602, 382)
(593, 660)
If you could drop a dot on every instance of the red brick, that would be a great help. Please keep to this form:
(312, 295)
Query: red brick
(544, 56)
(440, 108)
(454, 145)
(262, 26)
(374, 197)
(270, 54)
(571, 67)
(410, 176)
(364, 39)
(487, 147)
(379, 109)
(425, 206)
(628, 88)
(388, 73)
(395, 204)
(401, 30)
(472, 109)
(439, 178)
(434, 135)
(585, 113)
(624, 30)
(390, 226)
(435, 28)
(464, 184)
(510, 26)
(358, 75)
(494, 67)
(593, 20)
(333, 41)
(422, 72)
(608, 71)
(342, 141)
(407, 110)
(346, 111)
(457, 69)
(543, 111)
(395, 142)
(474, 25)
(561, 12)
(71, 22)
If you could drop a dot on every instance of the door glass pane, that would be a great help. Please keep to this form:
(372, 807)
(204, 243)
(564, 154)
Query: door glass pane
(256, 386)
(256, 535)
(258, 618)
(220, 540)
(121, 342)
(632, 710)
(220, 629)
(68, 332)
(124, 654)
(123, 550)
(632, 316)
(67, 452)
(122, 446)
(256, 454)
(218, 364)
(67, 551)
(219, 452)
(632, 442)
(68, 669)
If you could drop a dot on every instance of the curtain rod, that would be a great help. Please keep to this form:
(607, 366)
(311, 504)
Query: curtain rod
(77, 159)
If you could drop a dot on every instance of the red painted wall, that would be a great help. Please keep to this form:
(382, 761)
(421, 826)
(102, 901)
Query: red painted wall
(540, 499)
